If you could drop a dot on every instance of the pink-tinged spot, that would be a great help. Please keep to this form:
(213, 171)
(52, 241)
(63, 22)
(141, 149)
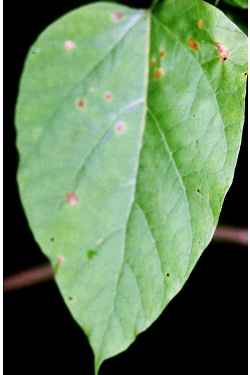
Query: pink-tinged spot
(223, 52)
(80, 104)
(108, 96)
(193, 44)
(117, 16)
(69, 45)
(72, 199)
(120, 127)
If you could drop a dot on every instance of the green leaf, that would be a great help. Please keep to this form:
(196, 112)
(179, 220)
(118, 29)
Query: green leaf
(129, 126)
(238, 3)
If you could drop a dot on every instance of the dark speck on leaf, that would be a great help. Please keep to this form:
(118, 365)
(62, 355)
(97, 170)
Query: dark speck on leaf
(168, 274)
(91, 253)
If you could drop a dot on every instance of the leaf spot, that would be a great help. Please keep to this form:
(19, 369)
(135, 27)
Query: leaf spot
(99, 242)
(72, 199)
(167, 274)
(160, 72)
(117, 16)
(193, 44)
(80, 104)
(152, 62)
(91, 253)
(163, 53)
(200, 24)
(120, 127)
(69, 45)
(60, 260)
(108, 96)
(223, 52)
(52, 239)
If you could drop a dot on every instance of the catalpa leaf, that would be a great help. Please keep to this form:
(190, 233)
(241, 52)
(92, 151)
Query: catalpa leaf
(129, 126)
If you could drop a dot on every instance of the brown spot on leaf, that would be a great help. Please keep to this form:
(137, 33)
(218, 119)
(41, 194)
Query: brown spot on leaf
(193, 44)
(223, 52)
(108, 96)
(80, 104)
(200, 24)
(69, 45)
(152, 62)
(72, 199)
(163, 53)
(160, 72)
(117, 16)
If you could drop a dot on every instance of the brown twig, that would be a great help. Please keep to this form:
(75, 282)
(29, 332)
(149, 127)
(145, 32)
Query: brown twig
(45, 273)
(228, 234)
(30, 277)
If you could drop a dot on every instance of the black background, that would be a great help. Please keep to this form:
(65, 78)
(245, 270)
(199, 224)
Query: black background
(204, 329)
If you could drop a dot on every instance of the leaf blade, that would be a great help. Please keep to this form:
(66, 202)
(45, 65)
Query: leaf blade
(131, 215)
